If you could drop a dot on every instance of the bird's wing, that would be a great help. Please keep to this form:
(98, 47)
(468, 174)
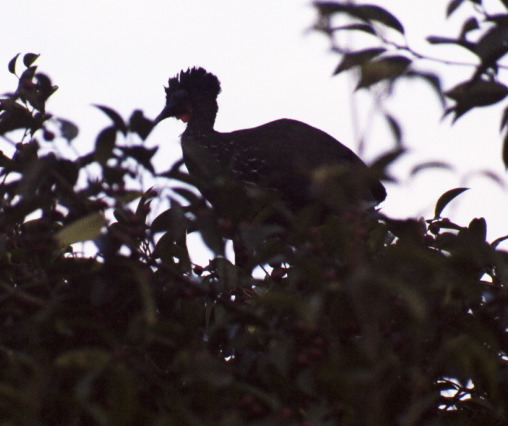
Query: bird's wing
(286, 155)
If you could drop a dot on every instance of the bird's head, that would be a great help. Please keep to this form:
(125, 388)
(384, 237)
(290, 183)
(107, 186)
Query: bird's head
(187, 91)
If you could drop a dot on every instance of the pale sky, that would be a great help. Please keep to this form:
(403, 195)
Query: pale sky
(121, 53)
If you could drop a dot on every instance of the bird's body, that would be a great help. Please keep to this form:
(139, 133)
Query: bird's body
(299, 162)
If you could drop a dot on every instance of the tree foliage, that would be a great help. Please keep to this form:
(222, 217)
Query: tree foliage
(357, 321)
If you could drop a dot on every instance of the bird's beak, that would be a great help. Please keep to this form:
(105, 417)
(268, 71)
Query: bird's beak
(168, 111)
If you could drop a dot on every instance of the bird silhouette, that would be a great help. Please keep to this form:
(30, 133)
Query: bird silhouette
(297, 162)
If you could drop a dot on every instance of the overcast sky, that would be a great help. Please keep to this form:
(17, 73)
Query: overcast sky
(121, 53)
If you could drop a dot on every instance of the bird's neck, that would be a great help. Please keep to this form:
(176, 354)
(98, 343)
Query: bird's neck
(203, 115)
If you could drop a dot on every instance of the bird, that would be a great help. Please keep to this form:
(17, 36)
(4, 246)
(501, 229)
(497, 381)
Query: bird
(299, 163)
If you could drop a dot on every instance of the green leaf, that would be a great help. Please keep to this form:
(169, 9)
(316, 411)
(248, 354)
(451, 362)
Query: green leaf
(12, 64)
(443, 201)
(83, 229)
(104, 145)
(387, 68)
(115, 117)
(30, 58)
(353, 59)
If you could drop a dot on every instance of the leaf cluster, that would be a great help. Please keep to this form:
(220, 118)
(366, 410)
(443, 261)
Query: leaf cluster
(386, 58)
(353, 320)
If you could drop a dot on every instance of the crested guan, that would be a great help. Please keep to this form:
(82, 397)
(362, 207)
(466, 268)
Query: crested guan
(300, 163)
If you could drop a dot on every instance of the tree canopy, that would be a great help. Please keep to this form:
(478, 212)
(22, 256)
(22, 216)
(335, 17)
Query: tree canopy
(356, 322)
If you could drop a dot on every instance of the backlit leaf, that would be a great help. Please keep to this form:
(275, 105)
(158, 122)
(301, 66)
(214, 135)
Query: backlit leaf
(115, 117)
(84, 229)
(452, 7)
(104, 145)
(29, 59)
(12, 64)
(376, 13)
(443, 201)
(388, 68)
(430, 165)
(354, 59)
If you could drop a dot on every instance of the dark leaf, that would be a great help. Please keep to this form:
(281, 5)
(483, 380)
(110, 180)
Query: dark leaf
(444, 199)
(12, 64)
(169, 251)
(139, 124)
(35, 92)
(141, 154)
(366, 28)
(29, 59)
(452, 7)
(226, 272)
(376, 13)
(188, 195)
(470, 25)
(498, 241)
(430, 165)
(504, 119)
(446, 40)
(366, 13)
(493, 176)
(354, 59)
(478, 229)
(143, 207)
(16, 116)
(210, 232)
(408, 230)
(104, 145)
(501, 19)
(388, 68)
(327, 7)
(505, 151)
(27, 75)
(44, 88)
(476, 93)
(493, 45)
(386, 159)
(395, 128)
(68, 173)
(115, 117)
(68, 129)
(173, 221)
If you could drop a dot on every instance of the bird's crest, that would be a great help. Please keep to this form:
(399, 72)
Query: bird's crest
(195, 80)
